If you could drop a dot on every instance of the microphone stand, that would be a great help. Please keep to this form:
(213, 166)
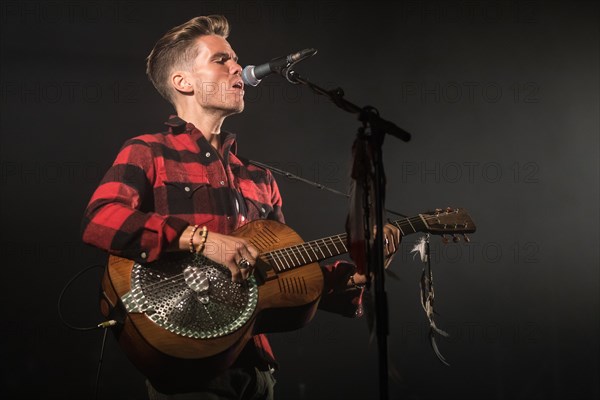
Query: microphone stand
(368, 114)
(373, 131)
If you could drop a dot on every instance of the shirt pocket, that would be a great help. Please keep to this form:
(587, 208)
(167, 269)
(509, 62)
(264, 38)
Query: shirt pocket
(190, 195)
(259, 208)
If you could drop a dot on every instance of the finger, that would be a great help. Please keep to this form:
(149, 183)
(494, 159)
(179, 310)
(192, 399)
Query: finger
(388, 261)
(393, 247)
(244, 249)
(249, 253)
(394, 235)
(253, 253)
(245, 268)
(236, 273)
(397, 236)
(388, 257)
(386, 244)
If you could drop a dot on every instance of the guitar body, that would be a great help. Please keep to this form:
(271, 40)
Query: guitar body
(286, 301)
(183, 320)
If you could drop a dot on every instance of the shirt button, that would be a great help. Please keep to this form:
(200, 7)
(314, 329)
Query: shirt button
(243, 218)
(143, 255)
(207, 154)
(187, 188)
(263, 209)
(228, 218)
(222, 183)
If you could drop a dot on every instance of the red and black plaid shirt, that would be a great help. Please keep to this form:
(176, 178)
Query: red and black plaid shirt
(161, 183)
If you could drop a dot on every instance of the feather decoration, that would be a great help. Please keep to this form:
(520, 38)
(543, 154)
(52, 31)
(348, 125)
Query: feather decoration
(419, 248)
(428, 295)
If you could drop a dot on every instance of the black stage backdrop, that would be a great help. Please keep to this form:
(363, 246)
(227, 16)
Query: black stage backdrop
(501, 98)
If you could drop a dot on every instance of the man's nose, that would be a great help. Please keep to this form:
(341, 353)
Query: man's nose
(235, 69)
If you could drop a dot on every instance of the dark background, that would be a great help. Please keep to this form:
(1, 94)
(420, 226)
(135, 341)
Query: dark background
(501, 98)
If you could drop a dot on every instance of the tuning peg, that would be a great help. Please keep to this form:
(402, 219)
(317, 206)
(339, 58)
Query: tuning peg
(455, 238)
(467, 239)
(445, 239)
(448, 209)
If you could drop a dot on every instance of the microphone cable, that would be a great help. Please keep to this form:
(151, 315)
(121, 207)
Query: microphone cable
(103, 325)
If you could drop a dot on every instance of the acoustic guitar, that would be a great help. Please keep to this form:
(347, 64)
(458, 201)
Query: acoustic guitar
(182, 316)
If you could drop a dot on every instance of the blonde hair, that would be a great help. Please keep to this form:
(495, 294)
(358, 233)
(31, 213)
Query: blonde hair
(176, 49)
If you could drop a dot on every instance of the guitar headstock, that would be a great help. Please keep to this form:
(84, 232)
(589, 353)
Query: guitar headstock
(451, 221)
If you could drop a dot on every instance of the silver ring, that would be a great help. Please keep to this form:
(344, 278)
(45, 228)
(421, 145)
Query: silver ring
(386, 241)
(243, 264)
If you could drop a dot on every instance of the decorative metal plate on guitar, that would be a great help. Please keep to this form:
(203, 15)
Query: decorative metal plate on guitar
(191, 296)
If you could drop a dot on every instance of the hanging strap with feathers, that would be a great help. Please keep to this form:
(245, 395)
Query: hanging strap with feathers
(427, 294)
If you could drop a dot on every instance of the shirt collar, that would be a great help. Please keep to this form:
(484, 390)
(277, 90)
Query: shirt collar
(177, 126)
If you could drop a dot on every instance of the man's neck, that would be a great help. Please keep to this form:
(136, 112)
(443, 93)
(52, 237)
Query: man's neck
(209, 124)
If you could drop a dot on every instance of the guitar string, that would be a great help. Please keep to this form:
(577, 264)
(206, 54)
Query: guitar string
(271, 258)
(297, 250)
(294, 250)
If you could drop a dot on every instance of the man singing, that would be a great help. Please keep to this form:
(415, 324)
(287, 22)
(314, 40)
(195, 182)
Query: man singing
(186, 190)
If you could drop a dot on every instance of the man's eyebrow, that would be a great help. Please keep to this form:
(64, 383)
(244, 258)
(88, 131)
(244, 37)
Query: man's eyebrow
(224, 55)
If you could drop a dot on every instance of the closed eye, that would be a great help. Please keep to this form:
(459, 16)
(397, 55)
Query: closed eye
(222, 58)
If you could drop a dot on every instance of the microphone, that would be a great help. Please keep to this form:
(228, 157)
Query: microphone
(251, 75)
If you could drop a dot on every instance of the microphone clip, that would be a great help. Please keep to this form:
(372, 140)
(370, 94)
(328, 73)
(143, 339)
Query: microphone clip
(252, 75)
(287, 72)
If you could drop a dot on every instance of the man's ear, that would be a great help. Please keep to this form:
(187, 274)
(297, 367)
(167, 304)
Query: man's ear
(180, 82)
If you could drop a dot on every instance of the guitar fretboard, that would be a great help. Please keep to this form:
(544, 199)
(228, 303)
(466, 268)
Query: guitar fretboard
(321, 249)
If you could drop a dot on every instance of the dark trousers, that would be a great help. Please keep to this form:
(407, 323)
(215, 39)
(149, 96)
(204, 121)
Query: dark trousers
(243, 383)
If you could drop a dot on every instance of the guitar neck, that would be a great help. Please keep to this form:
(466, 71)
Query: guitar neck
(321, 249)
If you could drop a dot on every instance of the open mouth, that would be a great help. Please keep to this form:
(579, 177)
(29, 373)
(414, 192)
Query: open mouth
(238, 85)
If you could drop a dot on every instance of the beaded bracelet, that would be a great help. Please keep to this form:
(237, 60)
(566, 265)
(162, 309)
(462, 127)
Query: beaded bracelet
(203, 237)
(194, 229)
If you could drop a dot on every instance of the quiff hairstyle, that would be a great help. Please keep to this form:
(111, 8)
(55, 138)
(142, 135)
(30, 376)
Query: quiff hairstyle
(176, 49)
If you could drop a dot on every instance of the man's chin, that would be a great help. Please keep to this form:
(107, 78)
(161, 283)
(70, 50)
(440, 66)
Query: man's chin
(227, 109)
(237, 109)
